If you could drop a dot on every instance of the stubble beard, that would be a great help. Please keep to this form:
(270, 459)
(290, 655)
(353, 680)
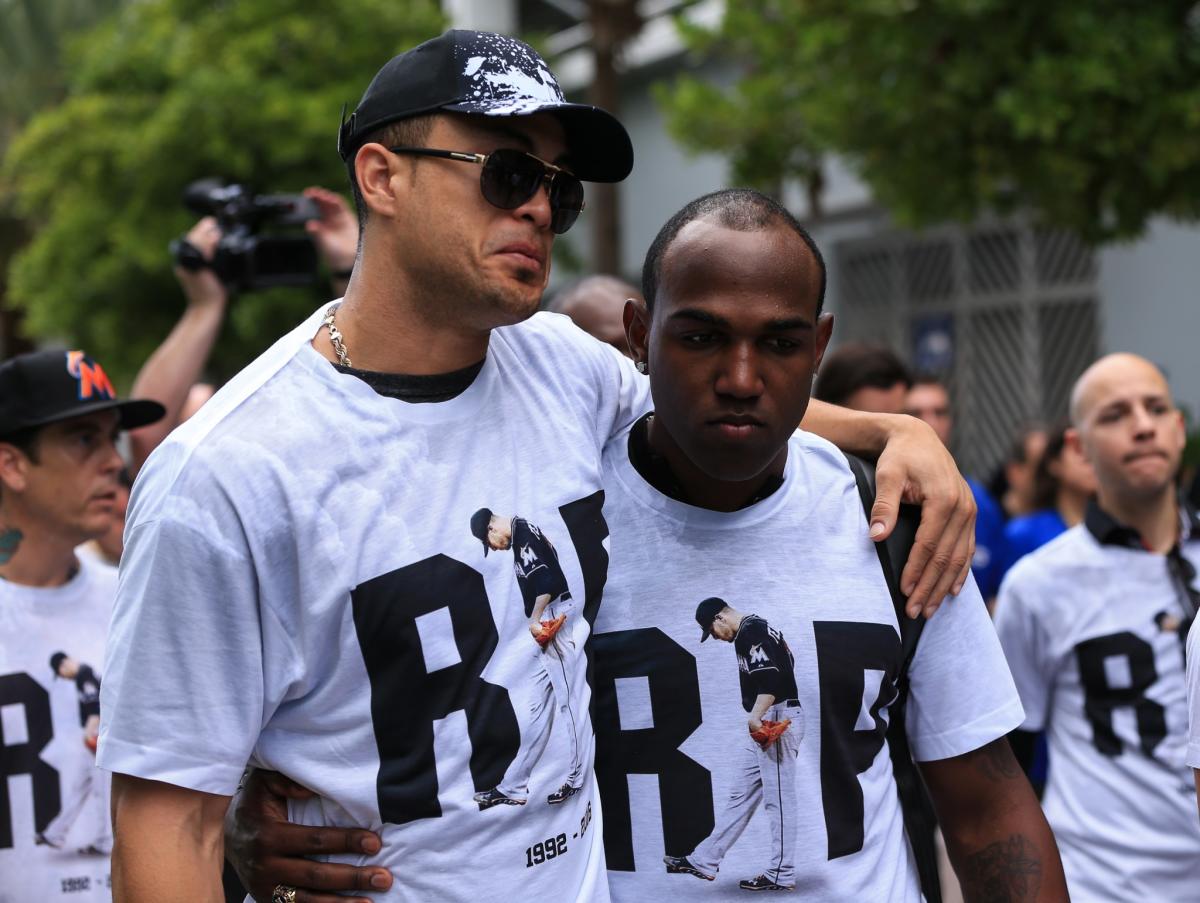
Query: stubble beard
(475, 300)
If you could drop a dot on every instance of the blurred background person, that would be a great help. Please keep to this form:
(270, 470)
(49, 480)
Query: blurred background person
(864, 377)
(596, 304)
(107, 547)
(1063, 482)
(59, 487)
(1012, 484)
(172, 374)
(1093, 625)
(929, 400)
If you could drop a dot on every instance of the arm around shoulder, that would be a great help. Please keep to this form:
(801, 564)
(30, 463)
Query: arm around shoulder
(167, 842)
(914, 466)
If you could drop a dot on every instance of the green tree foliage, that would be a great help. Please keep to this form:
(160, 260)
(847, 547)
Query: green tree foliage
(1086, 112)
(31, 37)
(163, 93)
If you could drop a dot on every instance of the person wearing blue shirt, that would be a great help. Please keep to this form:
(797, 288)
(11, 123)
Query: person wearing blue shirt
(929, 400)
(1063, 483)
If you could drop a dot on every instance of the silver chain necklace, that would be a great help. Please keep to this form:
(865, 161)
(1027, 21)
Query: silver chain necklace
(335, 337)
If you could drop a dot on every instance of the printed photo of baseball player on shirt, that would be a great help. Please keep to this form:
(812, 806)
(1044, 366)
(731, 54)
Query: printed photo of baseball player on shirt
(544, 590)
(767, 759)
(86, 788)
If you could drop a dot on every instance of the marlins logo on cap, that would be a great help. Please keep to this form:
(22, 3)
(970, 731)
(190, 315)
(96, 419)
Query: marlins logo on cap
(43, 387)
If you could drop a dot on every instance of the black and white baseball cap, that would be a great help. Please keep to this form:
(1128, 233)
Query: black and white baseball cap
(44, 387)
(492, 75)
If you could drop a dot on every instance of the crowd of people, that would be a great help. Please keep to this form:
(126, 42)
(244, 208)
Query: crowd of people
(417, 605)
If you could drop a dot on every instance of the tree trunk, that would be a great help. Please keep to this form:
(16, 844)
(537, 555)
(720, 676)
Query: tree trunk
(613, 23)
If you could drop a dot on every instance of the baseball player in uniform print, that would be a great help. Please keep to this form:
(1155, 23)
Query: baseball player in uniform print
(545, 593)
(768, 763)
(86, 783)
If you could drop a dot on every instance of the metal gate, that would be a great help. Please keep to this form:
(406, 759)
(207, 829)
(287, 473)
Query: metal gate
(1007, 314)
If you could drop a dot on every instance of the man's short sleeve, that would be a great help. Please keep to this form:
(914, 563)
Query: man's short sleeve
(625, 393)
(961, 695)
(183, 697)
(1193, 696)
(1026, 646)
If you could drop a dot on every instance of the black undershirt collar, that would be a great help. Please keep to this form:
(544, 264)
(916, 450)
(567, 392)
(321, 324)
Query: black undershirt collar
(654, 469)
(1108, 531)
(417, 389)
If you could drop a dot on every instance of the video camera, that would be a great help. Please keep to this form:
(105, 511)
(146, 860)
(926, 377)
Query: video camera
(246, 259)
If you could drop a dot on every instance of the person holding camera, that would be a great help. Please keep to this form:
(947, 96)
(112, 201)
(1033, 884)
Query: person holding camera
(172, 374)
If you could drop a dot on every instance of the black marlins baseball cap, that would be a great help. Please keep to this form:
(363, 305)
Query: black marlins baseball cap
(44, 387)
(491, 75)
(479, 527)
(706, 611)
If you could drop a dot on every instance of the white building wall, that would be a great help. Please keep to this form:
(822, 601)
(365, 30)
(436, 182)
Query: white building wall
(1150, 303)
(482, 15)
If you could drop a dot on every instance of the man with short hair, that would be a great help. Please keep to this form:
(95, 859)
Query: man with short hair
(864, 378)
(298, 548)
(929, 400)
(715, 496)
(59, 487)
(1092, 625)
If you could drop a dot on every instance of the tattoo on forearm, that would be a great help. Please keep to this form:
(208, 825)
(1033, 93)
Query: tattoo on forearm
(996, 761)
(1007, 871)
(10, 538)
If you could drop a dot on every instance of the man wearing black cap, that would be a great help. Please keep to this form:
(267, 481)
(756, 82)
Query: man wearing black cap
(302, 537)
(59, 469)
(309, 520)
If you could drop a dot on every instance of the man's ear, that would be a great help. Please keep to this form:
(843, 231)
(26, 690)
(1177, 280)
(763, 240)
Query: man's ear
(637, 328)
(374, 167)
(824, 333)
(1179, 428)
(14, 466)
(1074, 440)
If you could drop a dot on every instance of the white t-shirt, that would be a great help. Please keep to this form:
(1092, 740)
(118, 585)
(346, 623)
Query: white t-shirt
(1193, 697)
(671, 711)
(50, 783)
(301, 587)
(1090, 634)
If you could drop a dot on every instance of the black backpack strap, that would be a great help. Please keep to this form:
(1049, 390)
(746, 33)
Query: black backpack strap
(920, 821)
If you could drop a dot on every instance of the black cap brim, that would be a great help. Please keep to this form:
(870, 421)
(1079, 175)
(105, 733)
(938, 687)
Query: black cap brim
(131, 413)
(598, 147)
